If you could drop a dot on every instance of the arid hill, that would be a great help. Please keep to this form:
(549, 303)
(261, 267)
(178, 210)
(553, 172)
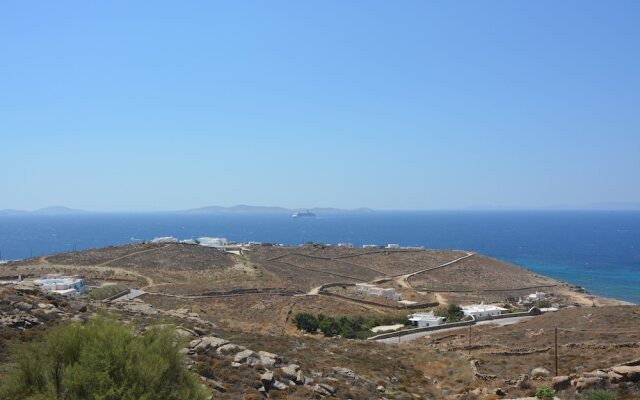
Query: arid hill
(250, 299)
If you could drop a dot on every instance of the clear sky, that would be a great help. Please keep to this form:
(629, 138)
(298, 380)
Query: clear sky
(132, 105)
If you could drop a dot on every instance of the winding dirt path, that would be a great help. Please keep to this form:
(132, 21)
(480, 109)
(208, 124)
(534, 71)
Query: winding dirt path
(403, 280)
(131, 254)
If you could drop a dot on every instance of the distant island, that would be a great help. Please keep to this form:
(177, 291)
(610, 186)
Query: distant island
(54, 210)
(238, 209)
(249, 209)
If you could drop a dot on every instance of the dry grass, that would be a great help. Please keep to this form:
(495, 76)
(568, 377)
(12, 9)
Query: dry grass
(589, 338)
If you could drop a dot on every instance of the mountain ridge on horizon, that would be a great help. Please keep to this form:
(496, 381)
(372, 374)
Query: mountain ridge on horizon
(249, 209)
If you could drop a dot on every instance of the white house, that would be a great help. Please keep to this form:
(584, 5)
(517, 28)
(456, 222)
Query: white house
(212, 242)
(363, 288)
(423, 320)
(64, 285)
(393, 246)
(367, 289)
(164, 239)
(482, 311)
(537, 296)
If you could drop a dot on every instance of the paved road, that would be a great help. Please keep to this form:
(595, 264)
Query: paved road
(413, 336)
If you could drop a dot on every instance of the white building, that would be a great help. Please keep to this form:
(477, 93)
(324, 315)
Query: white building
(423, 320)
(164, 239)
(212, 242)
(64, 285)
(370, 246)
(482, 311)
(537, 296)
(367, 289)
(363, 288)
(393, 246)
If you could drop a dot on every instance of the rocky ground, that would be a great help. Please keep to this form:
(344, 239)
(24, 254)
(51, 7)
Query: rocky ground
(234, 316)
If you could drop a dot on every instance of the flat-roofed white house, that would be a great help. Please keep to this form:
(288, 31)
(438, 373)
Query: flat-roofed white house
(212, 242)
(423, 320)
(164, 239)
(363, 288)
(64, 285)
(367, 289)
(537, 296)
(482, 311)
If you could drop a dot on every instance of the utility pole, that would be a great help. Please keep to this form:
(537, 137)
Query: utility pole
(556, 346)
(469, 339)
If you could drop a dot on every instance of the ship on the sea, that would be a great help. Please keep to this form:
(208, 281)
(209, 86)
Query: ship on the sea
(303, 214)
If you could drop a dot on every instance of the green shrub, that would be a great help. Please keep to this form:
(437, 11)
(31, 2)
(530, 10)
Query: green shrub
(101, 359)
(453, 313)
(306, 321)
(545, 392)
(542, 304)
(597, 394)
(350, 327)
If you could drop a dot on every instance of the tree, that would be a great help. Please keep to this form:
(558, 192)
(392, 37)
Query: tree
(452, 312)
(306, 321)
(101, 359)
(329, 326)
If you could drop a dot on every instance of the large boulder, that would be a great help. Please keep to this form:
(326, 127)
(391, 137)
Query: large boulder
(266, 379)
(540, 372)
(561, 382)
(269, 359)
(208, 344)
(244, 355)
(23, 306)
(279, 385)
(586, 383)
(629, 374)
(523, 382)
(300, 379)
(291, 371)
(596, 374)
(345, 372)
(324, 389)
(614, 378)
(228, 348)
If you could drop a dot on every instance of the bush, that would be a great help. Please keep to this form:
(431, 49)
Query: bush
(453, 313)
(350, 327)
(597, 394)
(101, 359)
(545, 392)
(542, 304)
(306, 321)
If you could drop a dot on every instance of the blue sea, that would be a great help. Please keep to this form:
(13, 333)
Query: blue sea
(598, 250)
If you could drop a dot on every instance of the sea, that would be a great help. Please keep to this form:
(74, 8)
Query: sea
(598, 250)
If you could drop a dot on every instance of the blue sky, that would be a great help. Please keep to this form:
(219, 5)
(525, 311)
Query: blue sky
(390, 105)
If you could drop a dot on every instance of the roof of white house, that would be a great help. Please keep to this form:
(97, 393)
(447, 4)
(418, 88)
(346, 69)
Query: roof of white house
(479, 308)
(164, 239)
(429, 316)
(62, 280)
